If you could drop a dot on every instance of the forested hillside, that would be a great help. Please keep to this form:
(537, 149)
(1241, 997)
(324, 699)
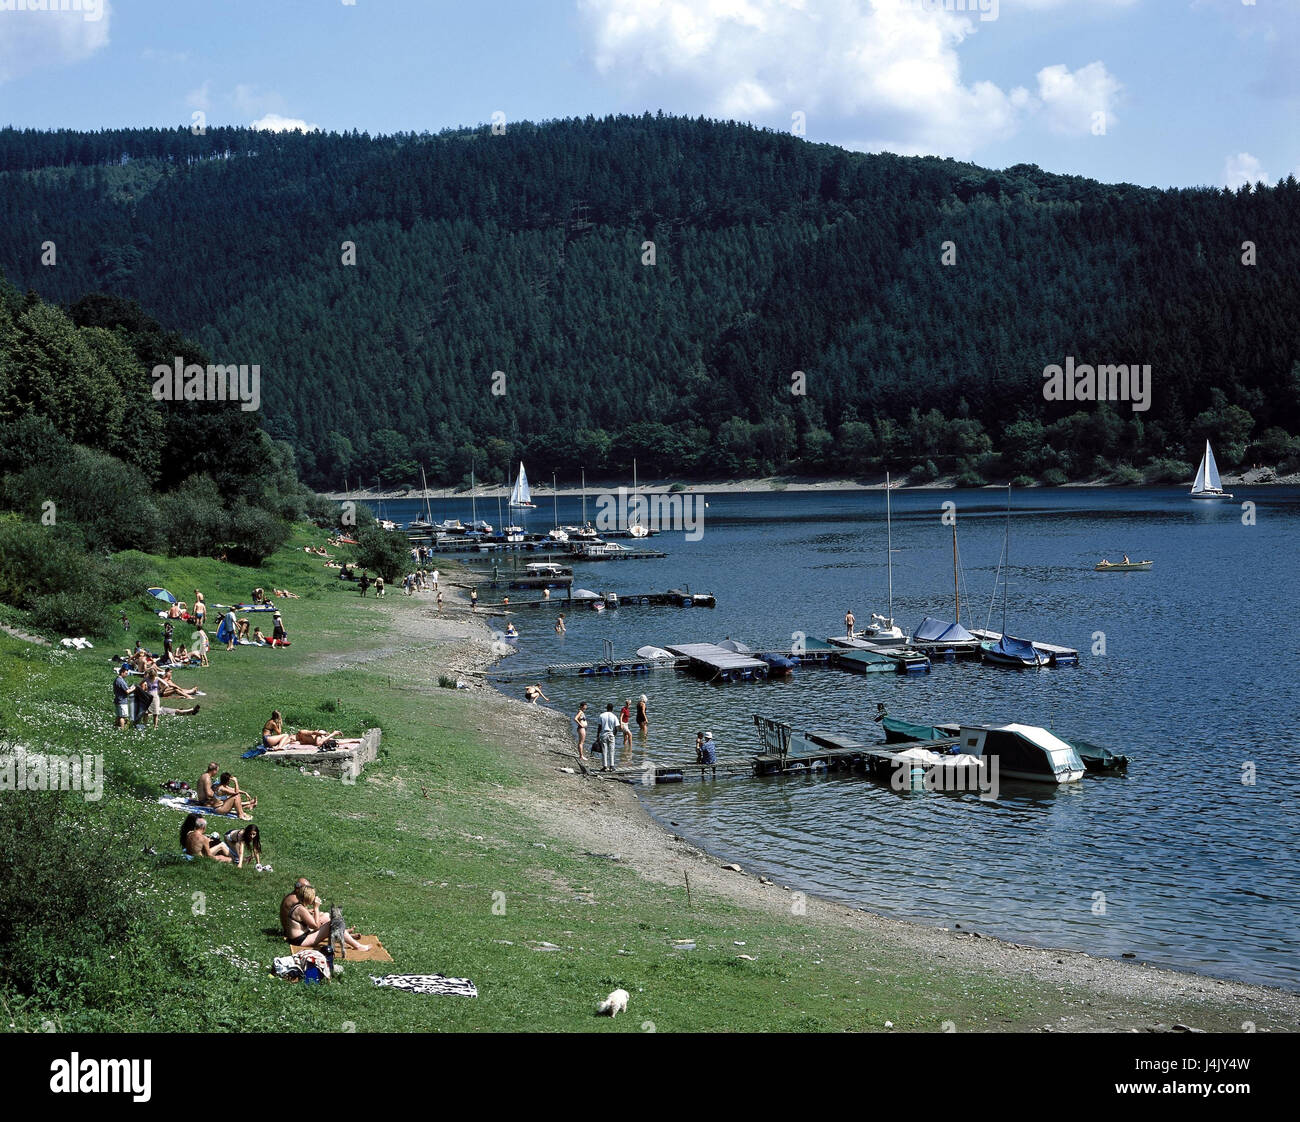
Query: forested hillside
(523, 253)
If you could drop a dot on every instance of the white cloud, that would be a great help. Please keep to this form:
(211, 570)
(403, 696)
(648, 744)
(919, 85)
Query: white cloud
(273, 122)
(881, 63)
(32, 39)
(1070, 100)
(1242, 169)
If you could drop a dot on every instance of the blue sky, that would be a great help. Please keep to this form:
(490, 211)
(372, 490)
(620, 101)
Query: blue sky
(1159, 92)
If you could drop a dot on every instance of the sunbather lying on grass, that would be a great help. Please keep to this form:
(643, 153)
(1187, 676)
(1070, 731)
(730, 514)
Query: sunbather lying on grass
(308, 926)
(195, 841)
(222, 804)
(171, 689)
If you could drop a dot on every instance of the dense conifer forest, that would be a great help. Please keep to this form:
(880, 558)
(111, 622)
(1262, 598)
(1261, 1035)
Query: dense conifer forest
(526, 253)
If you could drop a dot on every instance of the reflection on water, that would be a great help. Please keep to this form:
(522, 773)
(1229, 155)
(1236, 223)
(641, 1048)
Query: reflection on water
(1180, 862)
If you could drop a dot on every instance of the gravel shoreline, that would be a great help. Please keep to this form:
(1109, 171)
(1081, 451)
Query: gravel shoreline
(605, 816)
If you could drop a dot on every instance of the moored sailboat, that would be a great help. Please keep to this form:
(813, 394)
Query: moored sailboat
(1207, 484)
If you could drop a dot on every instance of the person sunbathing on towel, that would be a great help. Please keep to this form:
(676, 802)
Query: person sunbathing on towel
(308, 926)
(285, 594)
(317, 737)
(228, 785)
(196, 842)
(171, 689)
(273, 734)
(222, 804)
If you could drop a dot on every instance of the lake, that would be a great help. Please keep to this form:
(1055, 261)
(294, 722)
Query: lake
(1180, 862)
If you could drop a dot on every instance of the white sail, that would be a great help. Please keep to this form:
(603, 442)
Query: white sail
(1212, 480)
(1207, 475)
(521, 495)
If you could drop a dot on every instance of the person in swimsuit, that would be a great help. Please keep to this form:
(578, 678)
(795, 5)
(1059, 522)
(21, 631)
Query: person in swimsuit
(197, 843)
(241, 838)
(200, 609)
(625, 723)
(849, 622)
(228, 785)
(308, 926)
(532, 693)
(642, 721)
(580, 719)
(208, 796)
(291, 901)
(316, 737)
(273, 734)
(559, 626)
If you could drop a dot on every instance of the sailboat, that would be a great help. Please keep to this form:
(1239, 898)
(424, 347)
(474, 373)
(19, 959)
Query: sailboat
(634, 527)
(1207, 484)
(882, 629)
(1006, 650)
(556, 534)
(586, 532)
(512, 533)
(476, 527)
(426, 522)
(521, 496)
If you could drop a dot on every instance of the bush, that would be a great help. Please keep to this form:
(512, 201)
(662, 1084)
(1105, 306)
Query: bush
(76, 611)
(1023, 481)
(1126, 475)
(56, 866)
(1054, 477)
(1169, 471)
(253, 535)
(383, 552)
(971, 478)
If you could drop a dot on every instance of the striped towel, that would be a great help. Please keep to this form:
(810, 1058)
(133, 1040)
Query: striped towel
(428, 983)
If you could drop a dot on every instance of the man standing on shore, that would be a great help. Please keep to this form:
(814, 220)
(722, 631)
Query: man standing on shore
(608, 724)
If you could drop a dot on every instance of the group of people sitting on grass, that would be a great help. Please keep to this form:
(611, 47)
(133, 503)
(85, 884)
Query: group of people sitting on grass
(232, 848)
(136, 703)
(305, 920)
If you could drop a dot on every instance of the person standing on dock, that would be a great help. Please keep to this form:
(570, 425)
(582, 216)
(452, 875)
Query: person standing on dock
(608, 724)
(642, 721)
(849, 622)
(580, 722)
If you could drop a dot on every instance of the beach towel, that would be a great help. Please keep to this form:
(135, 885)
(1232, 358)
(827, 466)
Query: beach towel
(255, 750)
(376, 953)
(181, 803)
(428, 983)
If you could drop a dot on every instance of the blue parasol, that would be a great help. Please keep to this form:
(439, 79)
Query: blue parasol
(162, 594)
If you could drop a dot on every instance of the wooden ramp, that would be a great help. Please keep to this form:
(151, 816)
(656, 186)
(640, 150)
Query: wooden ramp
(719, 664)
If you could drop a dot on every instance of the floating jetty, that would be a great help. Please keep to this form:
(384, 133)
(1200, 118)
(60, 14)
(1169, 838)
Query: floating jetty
(608, 667)
(1056, 656)
(718, 664)
(865, 657)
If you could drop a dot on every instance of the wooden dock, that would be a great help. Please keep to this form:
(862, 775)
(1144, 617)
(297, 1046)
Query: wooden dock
(1056, 656)
(865, 657)
(718, 664)
(606, 667)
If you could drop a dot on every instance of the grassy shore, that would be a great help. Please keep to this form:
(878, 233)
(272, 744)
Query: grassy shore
(469, 850)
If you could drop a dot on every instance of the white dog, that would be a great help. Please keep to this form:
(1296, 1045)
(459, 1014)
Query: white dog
(614, 1004)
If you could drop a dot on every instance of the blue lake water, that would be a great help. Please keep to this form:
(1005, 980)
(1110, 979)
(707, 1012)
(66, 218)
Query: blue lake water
(1195, 868)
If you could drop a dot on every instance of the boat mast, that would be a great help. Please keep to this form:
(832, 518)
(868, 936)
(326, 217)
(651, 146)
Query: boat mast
(889, 549)
(555, 501)
(473, 499)
(956, 587)
(1006, 549)
(584, 498)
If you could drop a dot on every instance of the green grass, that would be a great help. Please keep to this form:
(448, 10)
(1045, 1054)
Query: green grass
(458, 882)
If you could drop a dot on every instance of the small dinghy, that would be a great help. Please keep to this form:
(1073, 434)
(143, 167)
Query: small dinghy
(1125, 566)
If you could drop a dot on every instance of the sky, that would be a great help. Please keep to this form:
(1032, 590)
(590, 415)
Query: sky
(1155, 92)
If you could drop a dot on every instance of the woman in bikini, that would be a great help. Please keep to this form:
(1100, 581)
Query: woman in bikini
(642, 721)
(210, 797)
(580, 719)
(241, 838)
(308, 926)
(273, 734)
(228, 785)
